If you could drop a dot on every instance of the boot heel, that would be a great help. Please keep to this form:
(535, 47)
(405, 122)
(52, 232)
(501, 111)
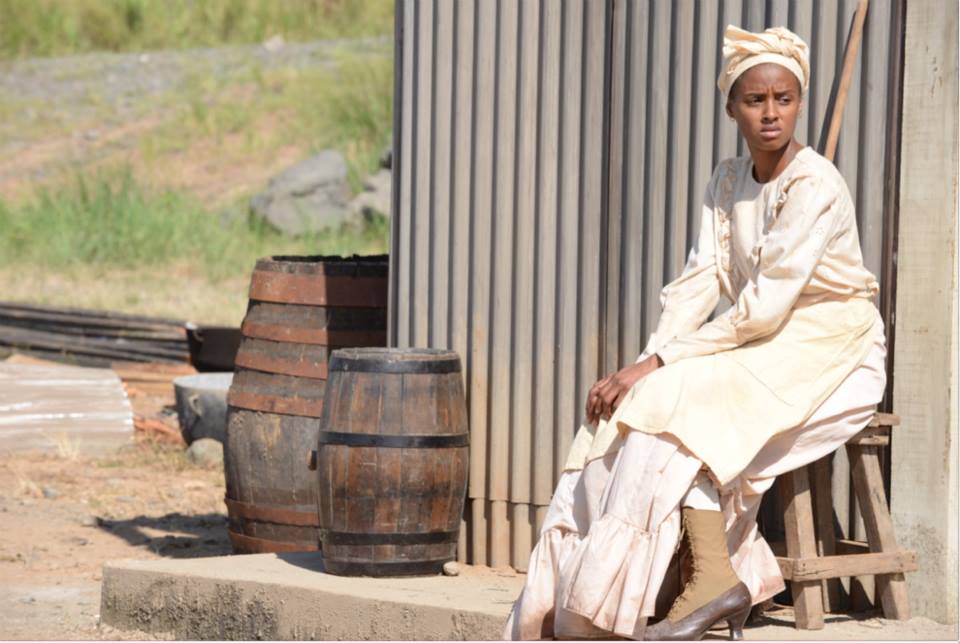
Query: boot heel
(736, 622)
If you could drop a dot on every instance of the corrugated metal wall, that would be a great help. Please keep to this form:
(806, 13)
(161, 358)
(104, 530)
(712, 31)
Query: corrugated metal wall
(550, 157)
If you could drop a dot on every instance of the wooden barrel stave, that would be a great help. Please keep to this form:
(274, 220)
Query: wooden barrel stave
(387, 510)
(261, 475)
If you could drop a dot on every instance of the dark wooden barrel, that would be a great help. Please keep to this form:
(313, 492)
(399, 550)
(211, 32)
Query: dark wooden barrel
(392, 461)
(300, 309)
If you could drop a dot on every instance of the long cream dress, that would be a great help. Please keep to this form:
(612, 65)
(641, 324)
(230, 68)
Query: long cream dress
(785, 376)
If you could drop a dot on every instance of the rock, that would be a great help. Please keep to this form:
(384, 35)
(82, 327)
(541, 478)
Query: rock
(205, 452)
(451, 568)
(89, 521)
(375, 199)
(50, 492)
(309, 196)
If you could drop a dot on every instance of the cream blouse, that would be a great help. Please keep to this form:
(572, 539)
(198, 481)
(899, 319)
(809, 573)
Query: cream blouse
(787, 255)
(764, 246)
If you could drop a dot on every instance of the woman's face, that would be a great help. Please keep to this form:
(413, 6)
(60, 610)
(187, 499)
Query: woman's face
(765, 102)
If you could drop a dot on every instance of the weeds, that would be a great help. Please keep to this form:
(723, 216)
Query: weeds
(56, 27)
(107, 219)
(68, 448)
(104, 241)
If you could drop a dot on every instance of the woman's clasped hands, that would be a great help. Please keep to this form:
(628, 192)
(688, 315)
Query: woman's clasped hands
(605, 396)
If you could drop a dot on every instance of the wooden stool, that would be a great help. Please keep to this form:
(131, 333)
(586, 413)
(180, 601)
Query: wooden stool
(816, 559)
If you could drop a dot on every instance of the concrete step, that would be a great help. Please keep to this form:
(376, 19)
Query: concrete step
(287, 596)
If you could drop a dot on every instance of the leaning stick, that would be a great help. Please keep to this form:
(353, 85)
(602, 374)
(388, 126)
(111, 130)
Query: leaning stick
(846, 76)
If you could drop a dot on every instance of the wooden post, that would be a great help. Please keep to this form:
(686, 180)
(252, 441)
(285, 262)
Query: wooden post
(891, 589)
(801, 543)
(833, 595)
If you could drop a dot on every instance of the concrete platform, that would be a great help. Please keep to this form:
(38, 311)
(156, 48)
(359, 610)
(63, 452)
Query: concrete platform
(286, 596)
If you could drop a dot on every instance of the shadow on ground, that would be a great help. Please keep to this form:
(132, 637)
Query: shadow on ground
(174, 535)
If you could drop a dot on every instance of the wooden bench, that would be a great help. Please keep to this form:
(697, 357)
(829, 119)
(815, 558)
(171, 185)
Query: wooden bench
(816, 559)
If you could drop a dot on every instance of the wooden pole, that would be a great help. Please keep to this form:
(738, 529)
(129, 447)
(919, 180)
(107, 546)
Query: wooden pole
(846, 76)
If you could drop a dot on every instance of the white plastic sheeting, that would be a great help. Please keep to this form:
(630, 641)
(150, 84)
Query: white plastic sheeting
(62, 408)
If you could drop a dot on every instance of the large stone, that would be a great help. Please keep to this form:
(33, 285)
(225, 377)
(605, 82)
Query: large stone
(205, 452)
(307, 197)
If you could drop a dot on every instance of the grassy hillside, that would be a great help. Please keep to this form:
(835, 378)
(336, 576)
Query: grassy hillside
(115, 198)
(62, 27)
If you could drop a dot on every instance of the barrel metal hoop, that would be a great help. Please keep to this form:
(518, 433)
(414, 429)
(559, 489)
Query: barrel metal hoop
(276, 515)
(265, 546)
(443, 441)
(328, 537)
(359, 568)
(364, 365)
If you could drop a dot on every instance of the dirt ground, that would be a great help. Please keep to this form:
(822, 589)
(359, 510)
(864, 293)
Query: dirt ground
(62, 517)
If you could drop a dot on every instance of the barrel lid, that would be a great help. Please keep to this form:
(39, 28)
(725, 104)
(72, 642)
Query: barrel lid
(395, 360)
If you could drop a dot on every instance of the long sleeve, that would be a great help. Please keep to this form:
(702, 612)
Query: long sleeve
(688, 300)
(795, 243)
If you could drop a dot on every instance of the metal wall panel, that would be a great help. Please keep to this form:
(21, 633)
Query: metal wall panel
(551, 157)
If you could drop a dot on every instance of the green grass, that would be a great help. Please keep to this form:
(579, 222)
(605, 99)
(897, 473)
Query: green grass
(107, 220)
(348, 106)
(60, 27)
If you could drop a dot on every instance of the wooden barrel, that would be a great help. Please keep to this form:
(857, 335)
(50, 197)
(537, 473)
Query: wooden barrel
(392, 461)
(300, 308)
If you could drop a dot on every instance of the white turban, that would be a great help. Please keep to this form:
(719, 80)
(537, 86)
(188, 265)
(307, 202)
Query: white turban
(744, 49)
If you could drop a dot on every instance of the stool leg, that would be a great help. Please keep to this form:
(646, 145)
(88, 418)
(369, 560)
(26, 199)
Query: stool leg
(832, 588)
(891, 589)
(801, 543)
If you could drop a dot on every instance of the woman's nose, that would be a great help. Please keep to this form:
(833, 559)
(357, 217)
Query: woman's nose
(770, 111)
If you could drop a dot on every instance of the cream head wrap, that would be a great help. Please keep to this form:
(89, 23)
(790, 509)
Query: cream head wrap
(744, 49)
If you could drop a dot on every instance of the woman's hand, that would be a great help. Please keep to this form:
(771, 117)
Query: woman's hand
(606, 395)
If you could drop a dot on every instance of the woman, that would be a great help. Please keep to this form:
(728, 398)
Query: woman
(712, 411)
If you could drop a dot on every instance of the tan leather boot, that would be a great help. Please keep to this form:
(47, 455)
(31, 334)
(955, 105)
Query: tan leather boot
(713, 592)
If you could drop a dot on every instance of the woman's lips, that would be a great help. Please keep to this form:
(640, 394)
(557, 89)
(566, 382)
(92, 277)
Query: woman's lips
(769, 134)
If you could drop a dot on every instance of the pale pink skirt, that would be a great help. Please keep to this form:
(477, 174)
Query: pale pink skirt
(612, 529)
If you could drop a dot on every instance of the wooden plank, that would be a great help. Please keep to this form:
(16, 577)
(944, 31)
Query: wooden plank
(502, 264)
(891, 590)
(840, 566)
(460, 216)
(868, 440)
(521, 535)
(482, 167)
(568, 407)
(885, 419)
(833, 595)
(437, 311)
(545, 457)
(499, 534)
(591, 210)
(634, 297)
(402, 227)
(522, 324)
(846, 546)
(801, 543)
(419, 248)
(610, 327)
(678, 148)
